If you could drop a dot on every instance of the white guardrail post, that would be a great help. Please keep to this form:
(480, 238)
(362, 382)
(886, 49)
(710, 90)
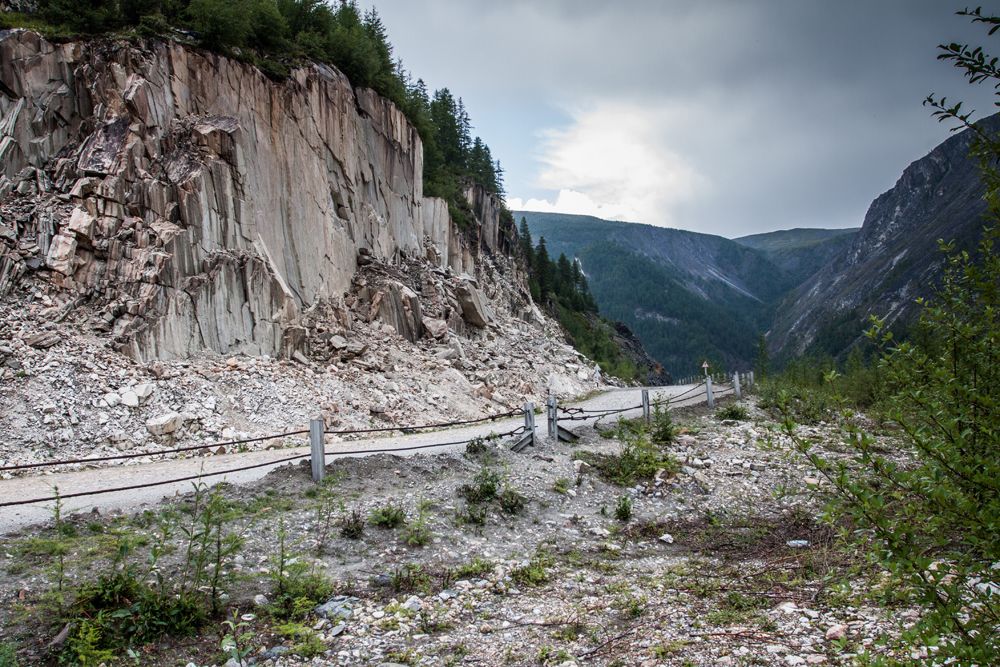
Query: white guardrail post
(736, 384)
(317, 438)
(529, 420)
(553, 420)
(708, 392)
(645, 406)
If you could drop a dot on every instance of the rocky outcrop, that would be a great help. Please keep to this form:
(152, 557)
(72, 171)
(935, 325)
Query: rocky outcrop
(894, 259)
(197, 204)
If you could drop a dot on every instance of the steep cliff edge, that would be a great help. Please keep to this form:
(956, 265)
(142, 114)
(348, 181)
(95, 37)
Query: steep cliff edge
(894, 258)
(182, 237)
(202, 204)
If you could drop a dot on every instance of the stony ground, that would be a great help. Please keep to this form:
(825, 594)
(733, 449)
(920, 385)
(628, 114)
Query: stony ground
(722, 562)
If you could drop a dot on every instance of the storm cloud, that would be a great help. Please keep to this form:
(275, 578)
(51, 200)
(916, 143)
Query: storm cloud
(725, 117)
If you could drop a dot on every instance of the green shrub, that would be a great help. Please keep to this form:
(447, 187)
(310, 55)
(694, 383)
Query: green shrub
(662, 429)
(484, 487)
(623, 509)
(734, 412)
(934, 518)
(352, 525)
(638, 460)
(535, 573)
(390, 515)
(8, 655)
(511, 502)
(418, 533)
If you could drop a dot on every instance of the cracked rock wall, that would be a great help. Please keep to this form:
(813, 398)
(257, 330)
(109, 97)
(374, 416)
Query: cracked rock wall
(200, 204)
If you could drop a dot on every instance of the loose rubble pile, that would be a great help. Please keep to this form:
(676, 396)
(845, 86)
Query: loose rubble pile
(721, 563)
(68, 395)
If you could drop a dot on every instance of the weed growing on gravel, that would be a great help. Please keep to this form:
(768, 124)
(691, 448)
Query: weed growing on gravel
(307, 642)
(511, 502)
(733, 411)
(623, 509)
(561, 485)
(476, 568)
(390, 515)
(418, 533)
(297, 588)
(8, 655)
(485, 486)
(638, 460)
(352, 524)
(411, 578)
(536, 572)
(236, 642)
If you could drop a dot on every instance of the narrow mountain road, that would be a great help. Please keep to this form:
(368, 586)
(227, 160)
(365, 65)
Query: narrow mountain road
(105, 477)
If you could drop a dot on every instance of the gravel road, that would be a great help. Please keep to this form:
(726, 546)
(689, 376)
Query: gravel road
(16, 518)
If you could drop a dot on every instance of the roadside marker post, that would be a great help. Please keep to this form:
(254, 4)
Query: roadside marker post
(645, 406)
(708, 392)
(553, 419)
(317, 448)
(736, 384)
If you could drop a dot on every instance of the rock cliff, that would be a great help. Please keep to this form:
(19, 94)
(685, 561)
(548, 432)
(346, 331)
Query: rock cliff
(190, 251)
(894, 258)
(199, 204)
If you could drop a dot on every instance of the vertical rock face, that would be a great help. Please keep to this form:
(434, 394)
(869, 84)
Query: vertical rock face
(199, 203)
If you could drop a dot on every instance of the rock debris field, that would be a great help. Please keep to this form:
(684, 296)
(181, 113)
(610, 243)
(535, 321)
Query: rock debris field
(554, 556)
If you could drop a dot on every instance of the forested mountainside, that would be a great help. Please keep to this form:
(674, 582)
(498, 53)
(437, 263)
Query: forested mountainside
(687, 296)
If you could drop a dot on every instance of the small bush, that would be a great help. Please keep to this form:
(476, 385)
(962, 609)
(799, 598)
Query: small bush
(352, 525)
(8, 655)
(390, 515)
(623, 509)
(535, 573)
(484, 487)
(561, 485)
(734, 412)
(410, 578)
(477, 568)
(638, 461)
(511, 502)
(662, 430)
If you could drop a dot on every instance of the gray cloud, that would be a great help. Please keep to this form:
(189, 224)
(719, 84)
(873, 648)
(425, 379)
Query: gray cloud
(784, 113)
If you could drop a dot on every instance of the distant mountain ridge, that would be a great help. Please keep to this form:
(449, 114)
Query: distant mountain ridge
(893, 259)
(686, 295)
(801, 252)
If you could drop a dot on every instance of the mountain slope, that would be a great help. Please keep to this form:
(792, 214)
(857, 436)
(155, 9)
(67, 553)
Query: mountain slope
(893, 259)
(687, 296)
(800, 252)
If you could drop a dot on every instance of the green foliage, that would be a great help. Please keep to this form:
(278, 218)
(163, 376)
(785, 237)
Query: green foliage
(236, 643)
(390, 515)
(933, 518)
(662, 429)
(623, 509)
(511, 502)
(535, 572)
(477, 568)
(297, 587)
(733, 411)
(8, 655)
(638, 460)
(561, 486)
(417, 533)
(352, 525)
(484, 487)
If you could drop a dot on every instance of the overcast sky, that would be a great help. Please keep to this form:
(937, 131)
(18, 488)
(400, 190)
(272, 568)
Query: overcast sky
(726, 117)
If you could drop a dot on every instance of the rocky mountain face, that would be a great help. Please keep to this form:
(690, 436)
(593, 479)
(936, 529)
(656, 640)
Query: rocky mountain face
(893, 259)
(687, 296)
(175, 227)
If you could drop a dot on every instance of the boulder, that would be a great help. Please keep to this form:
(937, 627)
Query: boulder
(474, 310)
(435, 328)
(164, 424)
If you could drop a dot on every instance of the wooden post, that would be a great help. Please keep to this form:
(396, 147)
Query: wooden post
(317, 440)
(736, 384)
(553, 419)
(708, 392)
(645, 406)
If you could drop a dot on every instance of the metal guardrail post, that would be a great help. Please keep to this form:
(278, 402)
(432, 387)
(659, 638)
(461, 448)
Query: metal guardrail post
(553, 419)
(317, 451)
(645, 406)
(736, 384)
(708, 392)
(750, 383)
(529, 420)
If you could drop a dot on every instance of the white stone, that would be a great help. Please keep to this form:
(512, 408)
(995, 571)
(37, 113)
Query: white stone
(164, 424)
(130, 399)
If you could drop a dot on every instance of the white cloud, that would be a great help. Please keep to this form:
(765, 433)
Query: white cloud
(613, 161)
